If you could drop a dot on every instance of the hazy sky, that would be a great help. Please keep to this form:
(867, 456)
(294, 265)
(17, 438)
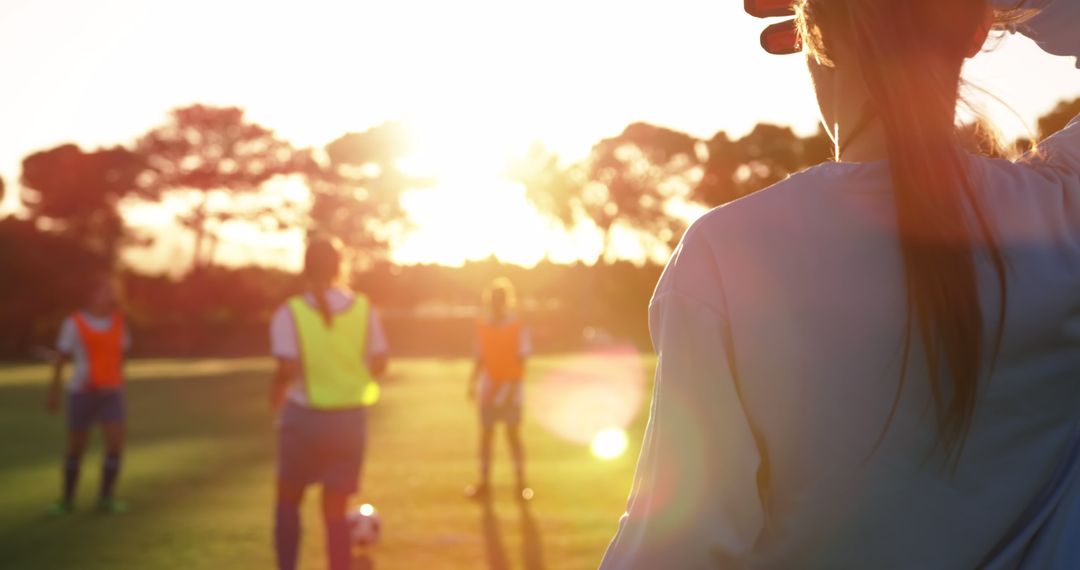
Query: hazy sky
(481, 77)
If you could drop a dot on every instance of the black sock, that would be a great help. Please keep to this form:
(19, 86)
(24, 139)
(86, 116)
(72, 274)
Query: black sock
(71, 478)
(110, 470)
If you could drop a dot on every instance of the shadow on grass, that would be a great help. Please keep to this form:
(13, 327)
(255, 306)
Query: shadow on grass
(532, 550)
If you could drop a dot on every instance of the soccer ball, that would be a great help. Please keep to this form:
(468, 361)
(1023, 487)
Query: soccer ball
(364, 525)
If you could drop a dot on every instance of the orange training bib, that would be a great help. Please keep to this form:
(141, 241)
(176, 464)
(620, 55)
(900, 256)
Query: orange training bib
(104, 352)
(500, 350)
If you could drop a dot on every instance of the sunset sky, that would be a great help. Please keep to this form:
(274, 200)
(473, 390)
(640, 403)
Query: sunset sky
(481, 78)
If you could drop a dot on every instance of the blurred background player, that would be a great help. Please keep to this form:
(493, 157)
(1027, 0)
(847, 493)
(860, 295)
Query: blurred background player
(330, 347)
(95, 339)
(496, 383)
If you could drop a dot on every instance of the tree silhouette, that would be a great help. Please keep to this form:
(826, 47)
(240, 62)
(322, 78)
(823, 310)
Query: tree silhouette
(626, 182)
(1059, 118)
(765, 156)
(717, 185)
(76, 194)
(45, 276)
(553, 188)
(632, 179)
(207, 151)
(357, 197)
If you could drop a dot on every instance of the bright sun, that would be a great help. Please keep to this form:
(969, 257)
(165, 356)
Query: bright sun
(473, 212)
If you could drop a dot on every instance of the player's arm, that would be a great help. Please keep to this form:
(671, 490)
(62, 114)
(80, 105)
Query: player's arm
(52, 400)
(478, 363)
(287, 369)
(284, 347)
(65, 347)
(379, 363)
(474, 378)
(525, 349)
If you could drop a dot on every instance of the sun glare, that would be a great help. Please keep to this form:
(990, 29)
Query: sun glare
(473, 211)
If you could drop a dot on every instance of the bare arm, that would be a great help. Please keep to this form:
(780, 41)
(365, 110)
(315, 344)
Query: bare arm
(378, 364)
(52, 401)
(287, 370)
(474, 377)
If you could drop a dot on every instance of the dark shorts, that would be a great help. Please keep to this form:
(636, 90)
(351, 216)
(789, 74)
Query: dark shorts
(319, 446)
(90, 407)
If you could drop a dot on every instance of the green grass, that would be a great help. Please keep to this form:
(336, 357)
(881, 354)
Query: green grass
(198, 474)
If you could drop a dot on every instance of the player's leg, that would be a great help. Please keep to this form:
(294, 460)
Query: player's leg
(79, 419)
(517, 452)
(287, 524)
(338, 547)
(512, 415)
(115, 434)
(296, 457)
(487, 442)
(115, 430)
(487, 417)
(344, 438)
(77, 441)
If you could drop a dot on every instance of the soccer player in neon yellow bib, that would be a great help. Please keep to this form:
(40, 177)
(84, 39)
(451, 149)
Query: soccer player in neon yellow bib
(330, 347)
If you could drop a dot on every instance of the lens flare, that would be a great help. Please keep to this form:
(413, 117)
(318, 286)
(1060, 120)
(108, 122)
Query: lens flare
(590, 392)
(609, 443)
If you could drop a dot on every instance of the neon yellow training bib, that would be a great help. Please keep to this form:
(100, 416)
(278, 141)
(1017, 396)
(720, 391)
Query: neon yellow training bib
(335, 373)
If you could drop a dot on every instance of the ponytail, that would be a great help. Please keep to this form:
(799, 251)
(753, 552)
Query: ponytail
(910, 55)
(322, 267)
(323, 305)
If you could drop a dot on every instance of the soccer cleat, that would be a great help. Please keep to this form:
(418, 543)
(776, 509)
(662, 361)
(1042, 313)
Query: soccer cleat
(59, 509)
(112, 507)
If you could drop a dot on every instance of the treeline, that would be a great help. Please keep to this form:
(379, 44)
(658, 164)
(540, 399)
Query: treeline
(427, 309)
(213, 166)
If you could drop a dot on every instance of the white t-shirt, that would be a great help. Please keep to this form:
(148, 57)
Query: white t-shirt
(779, 326)
(284, 342)
(70, 344)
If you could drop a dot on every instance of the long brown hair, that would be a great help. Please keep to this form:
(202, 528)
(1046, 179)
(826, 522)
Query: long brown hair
(322, 268)
(910, 55)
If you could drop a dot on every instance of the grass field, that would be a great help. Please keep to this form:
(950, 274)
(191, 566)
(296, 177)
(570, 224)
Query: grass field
(199, 476)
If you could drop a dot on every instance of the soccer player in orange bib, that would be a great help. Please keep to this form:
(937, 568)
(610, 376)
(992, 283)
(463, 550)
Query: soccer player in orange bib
(95, 339)
(496, 383)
